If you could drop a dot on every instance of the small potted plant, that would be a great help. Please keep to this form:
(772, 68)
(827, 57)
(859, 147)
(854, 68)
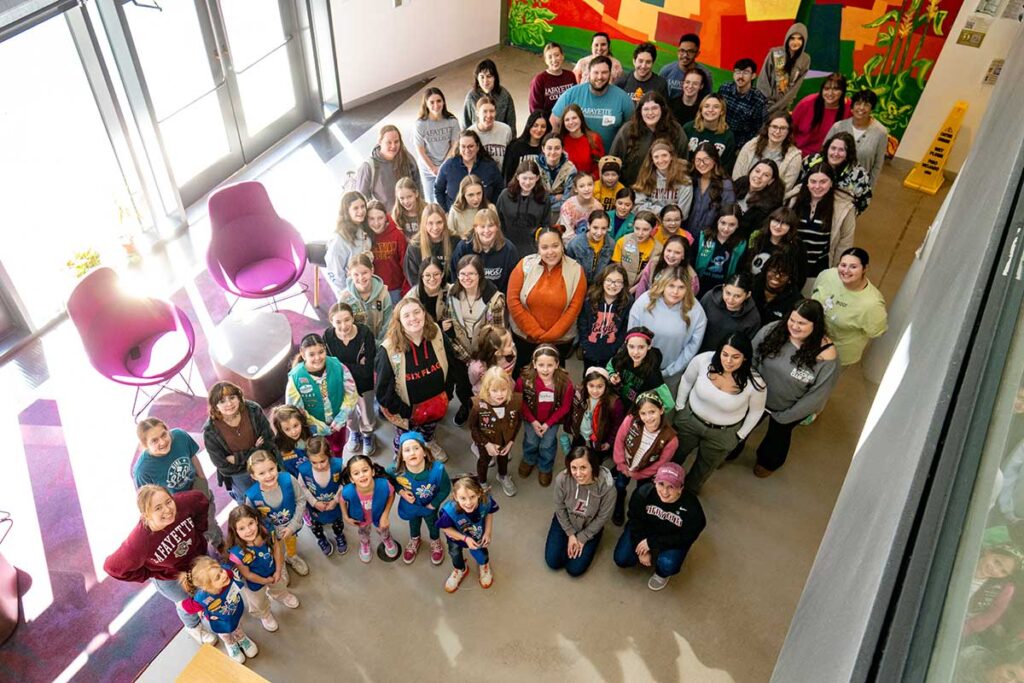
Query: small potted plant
(81, 262)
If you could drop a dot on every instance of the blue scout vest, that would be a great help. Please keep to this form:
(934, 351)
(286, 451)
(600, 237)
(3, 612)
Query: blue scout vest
(424, 493)
(323, 494)
(294, 459)
(464, 524)
(259, 559)
(223, 610)
(282, 514)
(355, 506)
(309, 390)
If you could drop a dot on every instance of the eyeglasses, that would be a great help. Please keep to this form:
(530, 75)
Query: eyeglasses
(687, 51)
(617, 283)
(780, 129)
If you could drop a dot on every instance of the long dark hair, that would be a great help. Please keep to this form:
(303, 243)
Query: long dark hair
(762, 135)
(745, 373)
(377, 470)
(481, 152)
(851, 151)
(770, 197)
(802, 204)
(241, 512)
(717, 186)
(792, 58)
(711, 232)
(819, 101)
(807, 355)
(667, 126)
(621, 362)
(790, 241)
(530, 120)
(660, 264)
(476, 263)
(425, 110)
(595, 295)
(430, 261)
(527, 166)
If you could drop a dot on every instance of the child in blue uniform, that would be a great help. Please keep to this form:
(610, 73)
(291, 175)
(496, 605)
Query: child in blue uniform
(278, 497)
(259, 558)
(466, 521)
(366, 502)
(292, 431)
(320, 477)
(423, 484)
(216, 591)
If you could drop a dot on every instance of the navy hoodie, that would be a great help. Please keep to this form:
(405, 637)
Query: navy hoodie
(602, 330)
(498, 264)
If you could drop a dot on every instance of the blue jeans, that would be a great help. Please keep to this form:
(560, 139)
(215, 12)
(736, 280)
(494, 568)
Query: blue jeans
(540, 450)
(173, 591)
(556, 551)
(240, 483)
(459, 561)
(666, 562)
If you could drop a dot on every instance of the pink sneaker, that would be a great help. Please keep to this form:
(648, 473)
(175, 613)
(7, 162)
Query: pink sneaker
(411, 548)
(364, 551)
(436, 552)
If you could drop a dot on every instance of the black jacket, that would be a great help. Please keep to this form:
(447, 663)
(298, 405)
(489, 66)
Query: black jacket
(779, 307)
(722, 322)
(358, 356)
(666, 526)
(218, 449)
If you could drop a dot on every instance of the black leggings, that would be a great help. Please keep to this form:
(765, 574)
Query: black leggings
(774, 448)
(337, 527)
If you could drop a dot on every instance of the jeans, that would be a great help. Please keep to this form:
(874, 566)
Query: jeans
(666, 562)
(172, 590)
(240, 483)
(556, 551)
(415, 526)
(540, 450)
(459, 562)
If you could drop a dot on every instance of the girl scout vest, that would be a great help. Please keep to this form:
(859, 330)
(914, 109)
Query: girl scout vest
(323, 494)
(463, 523)
(424, 493)
(309, 389)
(259, 559)
(355, 506)
(283, 513)
(224, 609)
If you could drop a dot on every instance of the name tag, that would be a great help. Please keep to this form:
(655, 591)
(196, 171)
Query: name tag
(607, 120)
(546, 397)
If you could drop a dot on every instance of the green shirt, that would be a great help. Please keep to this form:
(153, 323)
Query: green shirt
(851, 318)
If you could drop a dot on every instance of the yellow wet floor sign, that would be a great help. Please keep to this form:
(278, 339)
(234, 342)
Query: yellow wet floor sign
(927, 174)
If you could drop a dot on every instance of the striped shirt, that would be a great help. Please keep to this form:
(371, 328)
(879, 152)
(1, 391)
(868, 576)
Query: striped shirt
(817, 239)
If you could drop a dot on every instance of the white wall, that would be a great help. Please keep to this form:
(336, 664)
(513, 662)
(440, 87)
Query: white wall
(957, 75)
(380, 45)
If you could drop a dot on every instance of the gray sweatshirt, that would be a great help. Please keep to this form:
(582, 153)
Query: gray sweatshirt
(584, 510)
(274, 499)
(506, 108)
(793, 393)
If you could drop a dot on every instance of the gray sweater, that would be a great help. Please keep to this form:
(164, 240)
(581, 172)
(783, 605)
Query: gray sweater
(274, 499)
(506, 108)
(871, 145)
(793, 393)
(595, 501)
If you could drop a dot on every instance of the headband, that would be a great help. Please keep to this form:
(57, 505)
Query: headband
(599, 370)
(651, 396)
(643, 335)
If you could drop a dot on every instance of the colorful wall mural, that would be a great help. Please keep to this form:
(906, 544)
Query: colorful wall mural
(888, 46)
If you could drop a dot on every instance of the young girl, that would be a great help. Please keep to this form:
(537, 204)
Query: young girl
(675, 253)
(643, 443)
(320, 385)
(467, 523)
(577, 209)
(494, 348)
(389, 245)
(602, 322)
(636, 369)
(547, 398)
(635, 249)
(291, 434)
(422, 484)
(671, 224)
(216, 591)
(408, 207)
(494, 422)
(320, 477)
(622, 215)
(355, 346)
(471, 198)
(259, 558)
(592, 249)
(278, 498)
(596, 413)
(366, 501)
(664, 179)
(352, 236)
(367, 295)
(719, 249)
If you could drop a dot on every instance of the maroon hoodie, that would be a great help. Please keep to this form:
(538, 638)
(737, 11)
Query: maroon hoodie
(389, 255)
(163, 554)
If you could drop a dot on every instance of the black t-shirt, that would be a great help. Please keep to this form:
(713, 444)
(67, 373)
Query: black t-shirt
(684, 113)
(424, 377)
(358, 355)
(666, 526)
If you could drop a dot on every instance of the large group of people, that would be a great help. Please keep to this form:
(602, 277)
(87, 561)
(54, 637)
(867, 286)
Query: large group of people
(694, 247)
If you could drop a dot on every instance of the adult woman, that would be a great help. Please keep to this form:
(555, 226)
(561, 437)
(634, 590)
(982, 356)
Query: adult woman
(583, 146)
(711, 189)
(730, 309)
(778, 236)
(651, 121)
(827, 220)
(584, 498)
(800, 368)
(686, 107)
(168, 537)
(498, 255)
(814, 115)
(234, 429)
(719, 249)
(870, 136)
(436, 137)
(854, 308)
(389, 161)
(775, 288)
(758, 194)
(660, 309)
(599, 45)
(526, 145)
(711, 127)
(721, 399)
(774, 142)
(523, 206)
(545, 296)
(663, 180)
(494, 135)
(435, 239)
(557, 173)
(431, 290)
(487, 82)
(784, 70)
(472, 159)
(473, 302)
(840, 152)
(468, 201)
(351, 236)
(413, 376)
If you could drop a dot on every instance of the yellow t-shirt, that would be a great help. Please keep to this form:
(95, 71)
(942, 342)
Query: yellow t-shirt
(605, 194)
(851, 318)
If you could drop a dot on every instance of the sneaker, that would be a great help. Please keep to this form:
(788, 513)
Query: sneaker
(657, 582)
(507, 485)
(486, 577)
(369, 445)
(454, 580)
(436, 552)
(437, 451)
(390, 547)
(269, 623)
(235, 652)
(462, 415)
(525, 470)
(298, 564)
(364, 551)
(411, 548)
(355, 442)
(202, 635)
(249, 647)
(325, 547)
(289, 600)
(342, 544)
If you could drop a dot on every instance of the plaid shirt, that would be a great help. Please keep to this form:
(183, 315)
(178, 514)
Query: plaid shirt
(745, 114)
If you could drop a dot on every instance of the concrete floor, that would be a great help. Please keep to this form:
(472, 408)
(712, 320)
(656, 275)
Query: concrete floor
(724, 618)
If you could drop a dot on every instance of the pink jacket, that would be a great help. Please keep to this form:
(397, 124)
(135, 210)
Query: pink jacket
(619, 454)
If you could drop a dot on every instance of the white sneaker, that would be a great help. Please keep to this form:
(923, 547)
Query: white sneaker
(235, 652)
(201, 635)
(507, 485)
(298, 564)
(437, 451)
(269, 623)
(249, 647)
(656, 582)
(289, 600)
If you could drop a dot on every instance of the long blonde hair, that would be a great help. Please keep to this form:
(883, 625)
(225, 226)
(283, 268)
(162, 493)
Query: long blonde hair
(657, 291)
(395, 337)
(678, 172)
(398, 213)
(487, 216)
(460, 203)
(348, 230)
(446, 237)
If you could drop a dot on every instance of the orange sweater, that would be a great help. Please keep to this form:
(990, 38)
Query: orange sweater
(543, 318)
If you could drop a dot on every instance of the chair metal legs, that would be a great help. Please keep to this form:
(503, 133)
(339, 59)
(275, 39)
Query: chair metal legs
(137, 410)
(273, 301)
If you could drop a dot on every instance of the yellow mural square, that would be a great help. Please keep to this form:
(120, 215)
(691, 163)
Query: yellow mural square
(763, 10)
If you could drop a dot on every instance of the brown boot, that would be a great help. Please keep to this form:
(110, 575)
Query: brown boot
(544, 478)
(762, 472)
(525, 470)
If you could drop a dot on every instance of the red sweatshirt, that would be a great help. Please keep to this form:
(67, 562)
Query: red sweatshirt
(163, 554)
(546, 411)
(389, 255)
